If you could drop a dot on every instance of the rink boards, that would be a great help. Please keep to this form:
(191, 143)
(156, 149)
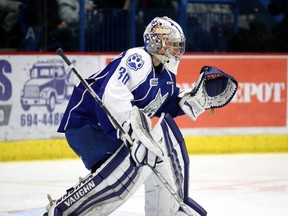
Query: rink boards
(255, 120)
(58, 148)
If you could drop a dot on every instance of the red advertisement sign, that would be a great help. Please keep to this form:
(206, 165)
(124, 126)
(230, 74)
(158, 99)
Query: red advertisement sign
(261, 99)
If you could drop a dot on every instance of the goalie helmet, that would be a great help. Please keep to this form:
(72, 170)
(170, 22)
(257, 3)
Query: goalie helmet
(164, 38)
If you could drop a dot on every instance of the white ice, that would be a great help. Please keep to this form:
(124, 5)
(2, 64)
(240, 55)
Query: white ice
(225, 185)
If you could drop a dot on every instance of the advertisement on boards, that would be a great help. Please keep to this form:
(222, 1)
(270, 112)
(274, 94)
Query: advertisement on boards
(34, 92)
(35, 89)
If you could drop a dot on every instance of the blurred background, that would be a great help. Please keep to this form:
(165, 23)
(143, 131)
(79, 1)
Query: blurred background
(113, 26)
(35, 84)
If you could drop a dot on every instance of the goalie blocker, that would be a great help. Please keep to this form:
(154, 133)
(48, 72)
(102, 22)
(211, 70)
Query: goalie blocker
(102, 192)
(214, 89)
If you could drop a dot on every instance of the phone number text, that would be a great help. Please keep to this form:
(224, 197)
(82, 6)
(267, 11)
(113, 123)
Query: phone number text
(45, 119)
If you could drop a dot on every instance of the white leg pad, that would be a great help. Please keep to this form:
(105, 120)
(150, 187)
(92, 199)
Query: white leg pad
(174, 168)
(104, 191)
(158, 200)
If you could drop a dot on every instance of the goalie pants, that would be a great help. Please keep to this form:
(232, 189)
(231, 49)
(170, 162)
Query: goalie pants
(91, 144)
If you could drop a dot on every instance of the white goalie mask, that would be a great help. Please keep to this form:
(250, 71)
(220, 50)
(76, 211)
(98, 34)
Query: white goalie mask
(164, 38)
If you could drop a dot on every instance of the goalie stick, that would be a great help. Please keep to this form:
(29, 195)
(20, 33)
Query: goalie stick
(60, 52)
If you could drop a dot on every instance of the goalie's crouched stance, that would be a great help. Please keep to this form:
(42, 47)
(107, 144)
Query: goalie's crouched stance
(162, 149)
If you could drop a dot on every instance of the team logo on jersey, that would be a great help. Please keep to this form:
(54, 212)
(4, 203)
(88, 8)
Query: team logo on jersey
(155, 104)
(135, 61)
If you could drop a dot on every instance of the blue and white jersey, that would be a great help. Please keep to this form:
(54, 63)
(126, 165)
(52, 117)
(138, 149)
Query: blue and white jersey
(129, 79)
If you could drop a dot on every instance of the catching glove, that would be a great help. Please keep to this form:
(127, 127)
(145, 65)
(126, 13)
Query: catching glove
(214, 89)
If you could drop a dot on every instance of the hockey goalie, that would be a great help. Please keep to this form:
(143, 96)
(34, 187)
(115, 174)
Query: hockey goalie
(115, 138)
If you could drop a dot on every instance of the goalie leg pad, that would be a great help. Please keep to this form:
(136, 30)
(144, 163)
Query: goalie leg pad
(174, 168)
(183, 155)
(102, 192)
(158, 200)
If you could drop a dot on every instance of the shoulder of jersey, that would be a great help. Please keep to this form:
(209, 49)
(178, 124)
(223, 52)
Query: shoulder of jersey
(138, 60)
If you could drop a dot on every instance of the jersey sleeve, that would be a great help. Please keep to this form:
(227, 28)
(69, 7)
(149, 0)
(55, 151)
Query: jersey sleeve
(116, 91)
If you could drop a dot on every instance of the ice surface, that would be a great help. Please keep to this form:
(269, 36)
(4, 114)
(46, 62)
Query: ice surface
(225, 185)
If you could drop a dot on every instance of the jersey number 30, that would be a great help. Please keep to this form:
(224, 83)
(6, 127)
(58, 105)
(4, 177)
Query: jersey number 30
(123, 75)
